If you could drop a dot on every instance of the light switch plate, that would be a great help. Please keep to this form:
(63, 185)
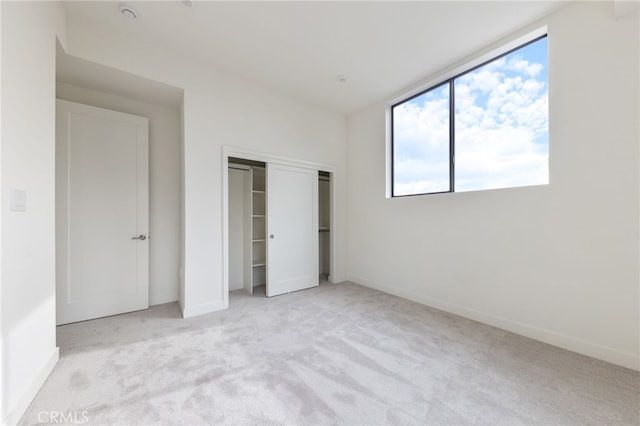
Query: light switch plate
(18, 200)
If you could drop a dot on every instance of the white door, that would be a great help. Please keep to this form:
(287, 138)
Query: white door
(292, 229)
(102, 212)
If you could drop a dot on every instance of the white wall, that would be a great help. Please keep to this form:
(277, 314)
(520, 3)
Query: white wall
(27, 296)
(164, 182)
(558, 263)
(220, 110)
(3, 407)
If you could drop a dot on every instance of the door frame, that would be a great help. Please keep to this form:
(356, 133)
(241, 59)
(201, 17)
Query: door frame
(248, 154)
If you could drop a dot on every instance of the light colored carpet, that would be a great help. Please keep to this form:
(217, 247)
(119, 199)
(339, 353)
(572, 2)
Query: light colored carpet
(336, 354)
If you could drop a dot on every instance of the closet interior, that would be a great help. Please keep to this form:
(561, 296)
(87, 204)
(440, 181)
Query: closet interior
(247, 225)
(324, 225)
(248, 245)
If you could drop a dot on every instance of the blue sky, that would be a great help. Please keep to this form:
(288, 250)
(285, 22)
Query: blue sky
(501, 128)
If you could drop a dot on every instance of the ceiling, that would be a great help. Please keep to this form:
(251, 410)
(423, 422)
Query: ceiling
(301, 47)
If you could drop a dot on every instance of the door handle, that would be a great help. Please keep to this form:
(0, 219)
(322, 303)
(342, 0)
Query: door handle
(140, 237)
(272, 236)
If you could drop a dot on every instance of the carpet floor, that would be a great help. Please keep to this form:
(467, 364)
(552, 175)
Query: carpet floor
(336, 354)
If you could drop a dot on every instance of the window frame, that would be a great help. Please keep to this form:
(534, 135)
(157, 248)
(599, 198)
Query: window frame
(449, 80)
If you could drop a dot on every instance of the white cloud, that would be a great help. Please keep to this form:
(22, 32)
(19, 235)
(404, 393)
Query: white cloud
(421, 142)
(501, 118)
(419, 125)
(501, 150)
(524, 66)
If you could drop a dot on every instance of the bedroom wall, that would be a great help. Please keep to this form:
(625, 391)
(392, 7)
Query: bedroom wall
(219, 110)
(558, 263)
(27, 293)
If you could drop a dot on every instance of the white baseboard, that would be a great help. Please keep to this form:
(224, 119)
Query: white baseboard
(335, 279)
(161, 299)
(181, 307)
(236, 286)
(203, 308)
(18, 410)
(593, 350)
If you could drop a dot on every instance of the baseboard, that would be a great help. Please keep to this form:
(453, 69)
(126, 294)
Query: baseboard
(624, 359)
(235, 286)
(335, 279)
(161, 299)
(203, 308)
(181, 307)
(17, 411)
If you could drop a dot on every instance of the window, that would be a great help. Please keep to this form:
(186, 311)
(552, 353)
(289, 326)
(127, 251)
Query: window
(485, 128)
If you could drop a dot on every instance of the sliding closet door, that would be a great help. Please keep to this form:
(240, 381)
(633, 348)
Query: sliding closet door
(292, 229)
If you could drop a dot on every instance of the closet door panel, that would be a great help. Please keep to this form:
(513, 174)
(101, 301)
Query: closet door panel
(292, 229)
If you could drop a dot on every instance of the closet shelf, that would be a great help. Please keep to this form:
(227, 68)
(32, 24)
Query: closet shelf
(257, 191)
(259, 263)
(258, 241)
(324, 229)
(257, 215)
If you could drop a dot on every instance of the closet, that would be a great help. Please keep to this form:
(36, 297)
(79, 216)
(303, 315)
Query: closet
(324, 225)
(278, 242)
(247, 225)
